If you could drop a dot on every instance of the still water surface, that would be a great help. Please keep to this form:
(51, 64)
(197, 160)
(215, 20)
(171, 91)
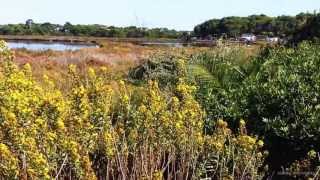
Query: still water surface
(42, 46)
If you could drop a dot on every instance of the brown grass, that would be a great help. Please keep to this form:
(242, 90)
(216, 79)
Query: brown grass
(118, 57)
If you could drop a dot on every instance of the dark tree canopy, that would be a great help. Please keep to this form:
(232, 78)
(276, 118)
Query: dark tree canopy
(310, 31)
(258, 24)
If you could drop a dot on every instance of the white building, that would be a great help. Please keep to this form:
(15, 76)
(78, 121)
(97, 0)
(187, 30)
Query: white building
(273, 39)
(248, 38)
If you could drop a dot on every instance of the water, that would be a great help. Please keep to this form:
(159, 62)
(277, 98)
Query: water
(42, 46)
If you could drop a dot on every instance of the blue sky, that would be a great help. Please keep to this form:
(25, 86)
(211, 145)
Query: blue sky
(177, 14)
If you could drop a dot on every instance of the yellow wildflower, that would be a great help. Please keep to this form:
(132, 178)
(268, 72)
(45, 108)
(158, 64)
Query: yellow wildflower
(121, 83)
(91, 73)
(312, 154)
(4, 149)
(260, 143)
(222, 124)
(60, 125)
(72, 68)
(242, 123)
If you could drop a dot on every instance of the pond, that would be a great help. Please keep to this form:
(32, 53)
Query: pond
(42, 46)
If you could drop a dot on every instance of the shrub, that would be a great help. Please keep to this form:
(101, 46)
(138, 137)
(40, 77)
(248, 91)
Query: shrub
(165, 69)
(277, 92)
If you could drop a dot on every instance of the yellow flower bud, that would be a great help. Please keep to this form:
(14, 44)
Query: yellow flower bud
(312, 154)
(260, 144)
(72, 68)
(242, 123)
(222, 124)
(104, 69)
(91, 73)
(121, 83)
(4, 149)
(60, 125)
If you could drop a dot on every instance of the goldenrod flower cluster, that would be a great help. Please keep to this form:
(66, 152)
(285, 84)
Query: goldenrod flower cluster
(91, 131)
(235, 154)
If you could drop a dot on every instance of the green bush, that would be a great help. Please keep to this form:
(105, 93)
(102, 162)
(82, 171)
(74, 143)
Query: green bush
(283, 96)
(278, 92)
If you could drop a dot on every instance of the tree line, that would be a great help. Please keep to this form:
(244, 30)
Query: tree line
(68, 29)
(282, 26)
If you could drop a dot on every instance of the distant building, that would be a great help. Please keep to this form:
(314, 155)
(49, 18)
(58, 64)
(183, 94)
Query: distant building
(29, 23)
(58, 28)
(248, 38)
(273, 39)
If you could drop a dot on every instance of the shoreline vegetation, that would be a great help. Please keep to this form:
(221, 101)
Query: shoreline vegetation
(288, 29)
(229, 27)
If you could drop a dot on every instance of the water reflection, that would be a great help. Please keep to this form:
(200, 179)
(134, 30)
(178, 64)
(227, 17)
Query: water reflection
(42, 46)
